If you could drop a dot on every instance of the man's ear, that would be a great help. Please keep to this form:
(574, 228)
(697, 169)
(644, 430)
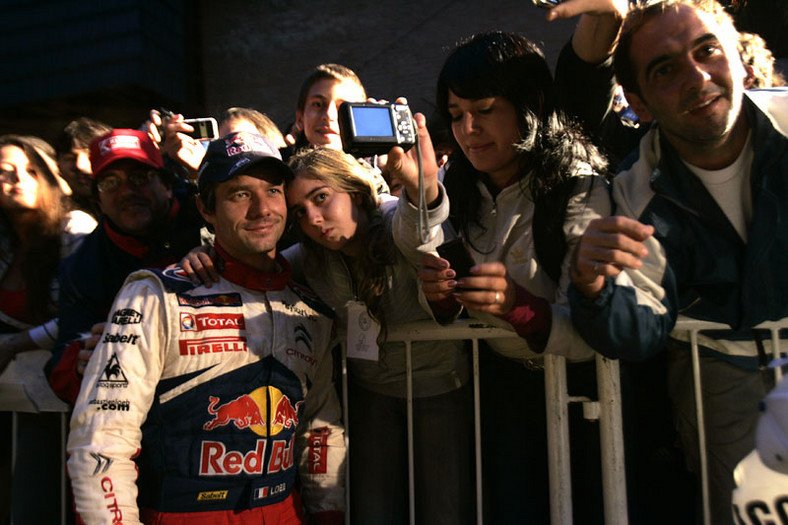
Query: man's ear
(206, 215)
(638, 106)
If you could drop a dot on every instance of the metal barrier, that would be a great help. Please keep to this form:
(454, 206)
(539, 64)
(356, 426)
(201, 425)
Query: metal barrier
(607, 410)
(693, 327)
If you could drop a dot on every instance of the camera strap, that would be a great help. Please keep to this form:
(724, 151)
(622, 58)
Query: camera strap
(423, 218)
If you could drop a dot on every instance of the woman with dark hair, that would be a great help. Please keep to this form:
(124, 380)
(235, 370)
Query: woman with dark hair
(37, 229)
(348, 257)
(523, 184)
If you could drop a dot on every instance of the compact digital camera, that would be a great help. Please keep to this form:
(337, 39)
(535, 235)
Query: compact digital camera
(370, 129)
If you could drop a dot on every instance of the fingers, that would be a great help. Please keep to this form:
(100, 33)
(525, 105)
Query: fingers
(607, 247)
(200, 268)
(487, 290)
(437, 279)
(98, 328)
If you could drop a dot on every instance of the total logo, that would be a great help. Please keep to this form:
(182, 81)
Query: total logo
(249, 411)
(199, 322)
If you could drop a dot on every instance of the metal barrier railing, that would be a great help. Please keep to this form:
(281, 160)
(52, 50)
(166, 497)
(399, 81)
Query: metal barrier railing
(693, 327)
(607, 410)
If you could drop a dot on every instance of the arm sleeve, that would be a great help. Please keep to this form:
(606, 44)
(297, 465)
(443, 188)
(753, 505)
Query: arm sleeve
(119, 386)
(585, 91)
(78, 313)
(321, 445)
(592, 201)
(405, 226)
(635, 312)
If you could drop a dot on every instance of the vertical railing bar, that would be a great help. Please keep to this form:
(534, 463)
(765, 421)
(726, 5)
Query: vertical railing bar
(611, 436)
(477, 431)
(346, 420)
(63, 429)
(411, 459)
(778, 370)
(14, 430)
(701, 424)
(558, 439)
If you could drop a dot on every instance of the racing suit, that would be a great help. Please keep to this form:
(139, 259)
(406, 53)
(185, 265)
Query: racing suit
(212, 396)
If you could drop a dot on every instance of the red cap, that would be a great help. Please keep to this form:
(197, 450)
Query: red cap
(124, 144)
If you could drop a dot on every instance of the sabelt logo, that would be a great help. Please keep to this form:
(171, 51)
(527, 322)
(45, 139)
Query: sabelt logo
(212, 345)
(200, 322)
(213, 495)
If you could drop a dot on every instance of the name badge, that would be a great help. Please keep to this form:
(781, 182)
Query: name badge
(362, 332)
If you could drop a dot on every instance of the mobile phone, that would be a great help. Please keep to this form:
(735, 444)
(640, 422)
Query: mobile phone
(458, 256)
(204, 128)
(547, 4)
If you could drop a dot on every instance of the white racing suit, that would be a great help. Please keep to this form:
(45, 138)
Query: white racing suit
(215, 397)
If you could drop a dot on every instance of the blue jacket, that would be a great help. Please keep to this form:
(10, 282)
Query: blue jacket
(698, 266)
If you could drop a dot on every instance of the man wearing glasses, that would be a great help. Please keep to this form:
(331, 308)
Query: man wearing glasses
(142, 226)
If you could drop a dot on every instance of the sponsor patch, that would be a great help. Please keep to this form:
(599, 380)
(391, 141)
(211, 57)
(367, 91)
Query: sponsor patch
(130, 339)
(199, 301)
(264, 492)
(250, 411)
(318, 450)
(216, 460)
(111, 404)
(126, 316)
(212, 345)
(112, 502)
(112, 376)
(212, 495)
(102, 463)
(200, 322)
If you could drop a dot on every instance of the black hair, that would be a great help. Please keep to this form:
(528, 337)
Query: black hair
(550, 151)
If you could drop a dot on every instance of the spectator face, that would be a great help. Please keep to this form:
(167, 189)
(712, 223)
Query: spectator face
(18, 180)
(133, 197)
(237, 124)
(329, 217)
(318, 119)
(486, 130)
(75, 168)
(690, 77)
(249, 217)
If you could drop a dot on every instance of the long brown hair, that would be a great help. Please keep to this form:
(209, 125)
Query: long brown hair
(39, 252)
(370, 271)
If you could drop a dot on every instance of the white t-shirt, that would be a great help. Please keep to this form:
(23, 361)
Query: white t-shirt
(730, 187)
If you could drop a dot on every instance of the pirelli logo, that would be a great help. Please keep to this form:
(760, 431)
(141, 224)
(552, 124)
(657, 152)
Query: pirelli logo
(212, 495)
(212, 345)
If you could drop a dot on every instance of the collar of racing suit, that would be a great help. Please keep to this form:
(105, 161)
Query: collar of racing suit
(244, 275)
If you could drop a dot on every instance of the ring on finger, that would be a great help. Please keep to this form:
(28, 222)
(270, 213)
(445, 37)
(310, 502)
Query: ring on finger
(497, 298)
(597, 267)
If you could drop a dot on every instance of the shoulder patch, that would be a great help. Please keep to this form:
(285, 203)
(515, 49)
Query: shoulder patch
(309, 297)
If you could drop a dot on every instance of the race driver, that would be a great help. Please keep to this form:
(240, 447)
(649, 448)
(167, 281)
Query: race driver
(204, 406)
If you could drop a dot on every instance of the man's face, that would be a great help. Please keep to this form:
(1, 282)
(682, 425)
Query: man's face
(690, 76)
(135, 199)
(75, 168)
(249, 217)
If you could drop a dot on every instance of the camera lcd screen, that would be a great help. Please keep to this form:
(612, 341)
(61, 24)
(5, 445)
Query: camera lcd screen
(372, 121)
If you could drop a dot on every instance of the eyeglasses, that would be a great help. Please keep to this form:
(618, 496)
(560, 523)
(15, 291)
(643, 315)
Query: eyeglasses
(138, 178)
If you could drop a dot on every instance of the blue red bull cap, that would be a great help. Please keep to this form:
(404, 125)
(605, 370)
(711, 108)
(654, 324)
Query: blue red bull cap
(235, 153)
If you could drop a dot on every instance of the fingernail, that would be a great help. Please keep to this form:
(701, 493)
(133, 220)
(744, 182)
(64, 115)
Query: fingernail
(451, 274)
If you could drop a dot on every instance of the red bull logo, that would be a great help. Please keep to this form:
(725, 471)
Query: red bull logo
(249, 411)
(216, 460)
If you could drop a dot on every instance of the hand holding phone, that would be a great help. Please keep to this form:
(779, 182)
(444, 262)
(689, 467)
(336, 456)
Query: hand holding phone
(458, 256)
